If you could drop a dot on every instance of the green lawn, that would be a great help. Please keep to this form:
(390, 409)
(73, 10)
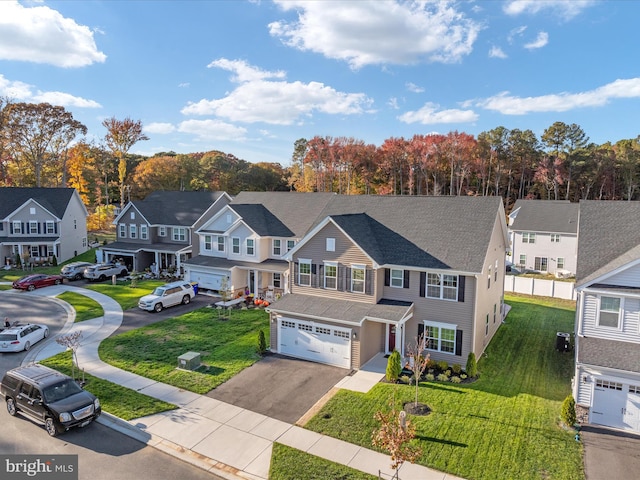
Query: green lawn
(85, 307)
(226, 347)
(503, 426)
(126, 295)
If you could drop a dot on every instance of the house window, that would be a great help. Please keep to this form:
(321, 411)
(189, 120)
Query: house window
(133, 231)
(17, 227)
(495, 311)
(555, 238)
(50, 250)
(486, 326)
(290, 244)
(540, 264)
(277, 280)
(609, 314)
(357, 278)
(331, 244)
(229, 218)
(331, 275)
(32, 211)
(122, 230)
(179, 234)
(75, 224)
(396, 278)
(207, 243)
(250, 246)
(495, 273)
(162, 231)
(50, 227)
(276, 247)
(304, 272)
(489, 279)
(528, 237)
(523, 260)
(560, 262)
(144, 232)
(84, 241)
(440, 337)
(221, 244)
(35, 251)
(33, 227)
(132, 215)
(442, 286)
(235, 245)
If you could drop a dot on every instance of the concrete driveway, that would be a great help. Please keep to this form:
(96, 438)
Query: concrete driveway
(280, 387)
(610, 454)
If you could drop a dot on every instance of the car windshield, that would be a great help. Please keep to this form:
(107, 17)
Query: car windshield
(60, 391)
(159, 292)
(8, 337)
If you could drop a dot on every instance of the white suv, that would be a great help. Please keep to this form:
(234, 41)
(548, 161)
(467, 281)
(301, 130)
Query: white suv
(102, 271)
(166, 296)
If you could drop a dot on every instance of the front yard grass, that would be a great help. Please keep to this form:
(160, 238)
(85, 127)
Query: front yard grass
(86, 308)
(503, 426)
(123, 293)
(226, 347)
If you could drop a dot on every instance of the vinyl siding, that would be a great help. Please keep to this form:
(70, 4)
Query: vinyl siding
(627, 278)
(630, 331)
(71, 237)
(566, 248)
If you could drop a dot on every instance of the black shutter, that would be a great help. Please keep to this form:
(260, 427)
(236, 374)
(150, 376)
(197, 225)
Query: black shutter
(24, 228)
(458, 342)
(313, 268)
(320, 280)
(55, 227)
(405, 283)
(420, 331)
(38, 228)
(11, 227)
(368, 278)
(387, 277)
(423, 284)
(461, 288)
(344, 280)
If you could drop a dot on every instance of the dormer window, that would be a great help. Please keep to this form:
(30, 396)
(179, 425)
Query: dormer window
(331, 244)
(133, 215)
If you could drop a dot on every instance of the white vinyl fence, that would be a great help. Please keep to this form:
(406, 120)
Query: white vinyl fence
(541, 287)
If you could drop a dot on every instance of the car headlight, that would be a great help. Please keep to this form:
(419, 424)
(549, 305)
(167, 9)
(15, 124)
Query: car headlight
(96, 403)
(65, 417)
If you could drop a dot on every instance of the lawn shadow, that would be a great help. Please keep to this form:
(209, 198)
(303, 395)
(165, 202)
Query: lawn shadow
(441, 441)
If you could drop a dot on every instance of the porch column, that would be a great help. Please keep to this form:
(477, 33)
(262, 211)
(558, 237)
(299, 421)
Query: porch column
(255, 282)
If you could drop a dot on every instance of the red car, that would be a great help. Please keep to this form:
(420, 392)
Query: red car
(37, 280)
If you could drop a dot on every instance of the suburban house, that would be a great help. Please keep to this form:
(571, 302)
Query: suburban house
(41, 223)
(607, 342)
(241, 248)
(543, 236)
(375, 273)
(157, 232)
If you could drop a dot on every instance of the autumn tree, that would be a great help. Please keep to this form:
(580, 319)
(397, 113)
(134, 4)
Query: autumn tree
(627, 159)
(121, 136)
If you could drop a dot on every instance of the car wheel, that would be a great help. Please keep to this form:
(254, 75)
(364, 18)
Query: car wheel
(77, 277)
(46, 332)
(102, 278)
(31, 288)
(11, 407)
(57, 282)
(27, 346)
(186, 299)
(51, 427)
(157, 307)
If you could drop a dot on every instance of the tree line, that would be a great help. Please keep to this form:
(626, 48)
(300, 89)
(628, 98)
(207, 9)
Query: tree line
(42, 145)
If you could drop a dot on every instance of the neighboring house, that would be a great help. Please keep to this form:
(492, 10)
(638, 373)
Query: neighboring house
(40, 223)
(607, 375)
(242, 247)
(159, 229)
(376, 272)
(543, 236)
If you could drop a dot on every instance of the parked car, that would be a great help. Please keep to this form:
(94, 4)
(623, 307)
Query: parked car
(48, 397)
(167, 295)
(37, 280)
(102, 271)
(74, 270)
(22, 337)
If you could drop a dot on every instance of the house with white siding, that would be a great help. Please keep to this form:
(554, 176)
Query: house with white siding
(607, 371)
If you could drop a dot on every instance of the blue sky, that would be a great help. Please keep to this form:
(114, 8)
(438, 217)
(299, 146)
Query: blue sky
(251, 77)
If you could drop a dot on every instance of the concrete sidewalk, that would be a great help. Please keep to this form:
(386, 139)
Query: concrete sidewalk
(227, 440)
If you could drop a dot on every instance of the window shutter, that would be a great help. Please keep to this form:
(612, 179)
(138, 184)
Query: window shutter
(420, 331)
(344, 278)
(387, 277)
(24, 228)
(368, 277)
(405, 283)
(313, 268)
(11, 227)
(423, 284)
(321, 276)
(55, 227)
(461, 288)
(458, 342)
(295, 273)
(38, 227)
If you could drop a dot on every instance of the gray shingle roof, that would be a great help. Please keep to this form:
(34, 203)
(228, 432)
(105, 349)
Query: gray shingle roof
(176, 207)
(427, 232)
(609, 353)
(262, 221)
(55, 200)
(554, 216)
(269, 265)
(608, 238)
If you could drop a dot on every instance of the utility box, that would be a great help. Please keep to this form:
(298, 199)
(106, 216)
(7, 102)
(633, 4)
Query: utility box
(563, 342)
(189, 360)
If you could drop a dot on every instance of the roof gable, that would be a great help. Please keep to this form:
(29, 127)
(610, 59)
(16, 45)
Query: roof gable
(262, 221)
(55, 200)
(556, 216)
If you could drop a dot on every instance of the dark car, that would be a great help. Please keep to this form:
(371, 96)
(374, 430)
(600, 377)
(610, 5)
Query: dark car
(48, 397)
(37, 280)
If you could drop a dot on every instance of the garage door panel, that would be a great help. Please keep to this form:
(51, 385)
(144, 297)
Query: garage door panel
(315, 342)
(616, 405)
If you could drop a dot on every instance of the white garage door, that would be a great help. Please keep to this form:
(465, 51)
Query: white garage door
(209, 281)
(616, 405)
(315, 341)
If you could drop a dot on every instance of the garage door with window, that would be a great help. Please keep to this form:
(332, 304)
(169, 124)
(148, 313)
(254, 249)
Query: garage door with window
(616, 405)
(206, 280)
(317, 342)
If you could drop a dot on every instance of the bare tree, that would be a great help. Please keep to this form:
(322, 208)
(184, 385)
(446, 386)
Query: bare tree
(418, 360)
(72, 342)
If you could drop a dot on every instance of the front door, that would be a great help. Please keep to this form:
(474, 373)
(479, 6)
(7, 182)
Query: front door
(252, 280)
(392, 338)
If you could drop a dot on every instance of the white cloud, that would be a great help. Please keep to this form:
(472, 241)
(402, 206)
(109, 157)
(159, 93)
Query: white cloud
(541, 40)
(429, 115)
(376, 32)
(516, 32)
(412, 87)
(19, 91)
(184, 84)
(511, 105)
(393, 103)
(212, 130)
(14, 89)
(275, 102)
(42, 35)
(567, 9)
(159, 128)
(497, 52)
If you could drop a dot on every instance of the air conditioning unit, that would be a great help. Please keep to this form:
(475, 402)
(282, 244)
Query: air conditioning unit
(189, 361)
(563, 274)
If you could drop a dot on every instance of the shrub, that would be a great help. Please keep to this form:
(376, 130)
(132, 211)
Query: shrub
(472, 365)
(455, 380)
(443, 378)
(463, 376)
(405, 379)
(568, 411)
(394, 366)
(443, 365)
(431, 364)
(429, 377)
(447, 372)
(262, 343)
(457, 368)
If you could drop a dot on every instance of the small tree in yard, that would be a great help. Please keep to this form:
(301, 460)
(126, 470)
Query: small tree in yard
(472, 365)
(262, 343)
(394, 366)
(71, 342)
(418, 360)
(568, 412)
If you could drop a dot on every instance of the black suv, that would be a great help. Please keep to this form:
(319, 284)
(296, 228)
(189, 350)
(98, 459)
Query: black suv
(48, 397)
